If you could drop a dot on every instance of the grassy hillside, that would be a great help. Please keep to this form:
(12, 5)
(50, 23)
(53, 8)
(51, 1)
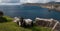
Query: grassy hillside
(10, 26)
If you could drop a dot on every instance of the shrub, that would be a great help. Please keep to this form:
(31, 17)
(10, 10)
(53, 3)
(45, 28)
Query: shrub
(1, 13)
(8, 18)
(2, 19)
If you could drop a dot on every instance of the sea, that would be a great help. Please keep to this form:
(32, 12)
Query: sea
(29, 12)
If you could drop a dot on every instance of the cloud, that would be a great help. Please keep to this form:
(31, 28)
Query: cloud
(0, 1)
(44, 1)
(9, 1)
(18, 2)
(4, 1)
(57, 0)
(34, 1)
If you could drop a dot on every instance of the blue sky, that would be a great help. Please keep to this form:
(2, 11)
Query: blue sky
(18, 2)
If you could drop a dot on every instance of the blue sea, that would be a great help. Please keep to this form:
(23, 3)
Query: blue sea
(29, 12)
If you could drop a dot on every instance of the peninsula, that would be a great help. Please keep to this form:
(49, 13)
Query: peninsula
(49, 5)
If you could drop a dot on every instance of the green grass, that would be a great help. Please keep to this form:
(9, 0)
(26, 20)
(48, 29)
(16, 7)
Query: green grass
(10, 26)
(8, 18)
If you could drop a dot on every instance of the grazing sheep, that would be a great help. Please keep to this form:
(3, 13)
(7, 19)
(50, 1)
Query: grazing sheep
(23, 22)
(17, 20)
(43, 22)
(28, 22)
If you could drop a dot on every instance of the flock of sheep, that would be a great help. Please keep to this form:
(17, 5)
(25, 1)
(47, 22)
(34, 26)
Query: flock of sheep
(28, 22)
(38, 21)
(23, 22)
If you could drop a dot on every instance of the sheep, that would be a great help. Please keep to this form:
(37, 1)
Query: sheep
(17, 20)
(23, 22)
(43, 22)
(28, 22)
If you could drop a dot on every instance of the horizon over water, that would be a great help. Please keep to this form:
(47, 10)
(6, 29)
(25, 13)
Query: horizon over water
(29, 12)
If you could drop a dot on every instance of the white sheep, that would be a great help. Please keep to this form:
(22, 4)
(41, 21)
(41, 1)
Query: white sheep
(42, 21)
(17, 20)
(28, 22)
(22, 22)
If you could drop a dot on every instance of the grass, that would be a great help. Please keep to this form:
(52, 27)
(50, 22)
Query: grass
(11, 26)
(8, 18)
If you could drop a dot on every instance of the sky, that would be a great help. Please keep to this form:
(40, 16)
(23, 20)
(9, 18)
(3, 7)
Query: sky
(18, 2)
(57, 0)
(10, 1)
(34, 1)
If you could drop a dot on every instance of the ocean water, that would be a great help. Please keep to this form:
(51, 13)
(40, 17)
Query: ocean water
(29, 12)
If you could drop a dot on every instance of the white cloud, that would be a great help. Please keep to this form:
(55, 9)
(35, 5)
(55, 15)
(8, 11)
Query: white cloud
(44, 1)
(0, 1)
(34, 1)
(9, 3)
(6, 0)
(57, 0)
(18, 2)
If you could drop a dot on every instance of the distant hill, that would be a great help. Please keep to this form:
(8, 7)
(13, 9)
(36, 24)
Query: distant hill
(49, 3)
(53, 2)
